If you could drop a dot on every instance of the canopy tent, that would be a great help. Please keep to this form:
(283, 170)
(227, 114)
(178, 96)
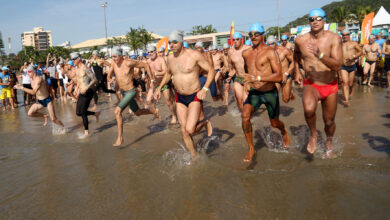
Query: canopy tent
(382, 17)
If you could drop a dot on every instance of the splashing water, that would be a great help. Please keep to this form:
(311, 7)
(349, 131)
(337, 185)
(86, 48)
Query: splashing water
(273, 140)
(174, 161)
(58, 130)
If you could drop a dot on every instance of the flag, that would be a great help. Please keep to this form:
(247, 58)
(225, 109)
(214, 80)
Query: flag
(231, 34)
(366, 28)
(163, 43)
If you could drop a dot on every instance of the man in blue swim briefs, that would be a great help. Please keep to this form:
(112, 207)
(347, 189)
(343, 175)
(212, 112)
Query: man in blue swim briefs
(124, 73)
(351, 52)
(184, 66)
(264, 70)
(39, 89)
(236, 66)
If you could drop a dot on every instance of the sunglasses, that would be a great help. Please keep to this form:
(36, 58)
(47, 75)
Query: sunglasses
(236, 39)
(311, 19)
(150, 51)
(256, 34)
(345, 35)
(173, 42)
(271, 44)
(75, 58)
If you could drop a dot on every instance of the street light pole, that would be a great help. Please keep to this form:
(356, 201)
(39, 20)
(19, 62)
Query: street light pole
(104, 5)
(277, 10)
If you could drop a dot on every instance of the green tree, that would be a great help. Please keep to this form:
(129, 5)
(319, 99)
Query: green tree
(339, 14)
(199, 29)
(144, 36)
(133, 39)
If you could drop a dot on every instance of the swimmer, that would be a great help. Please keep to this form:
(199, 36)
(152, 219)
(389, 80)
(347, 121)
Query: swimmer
(236, 68)
(85, 80)
(351, 52)
(286, 59)
(161, 53)
(124, 71)
(386, 52)
(264, 70)
(225, 74)
(286, 44)
(185, 65)
(44, 100)
(218, 62)
(371, 52)
(158, 67)
(322, 53)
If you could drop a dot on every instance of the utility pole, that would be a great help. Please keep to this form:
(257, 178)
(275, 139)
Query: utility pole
(277, 11)
(104, 5)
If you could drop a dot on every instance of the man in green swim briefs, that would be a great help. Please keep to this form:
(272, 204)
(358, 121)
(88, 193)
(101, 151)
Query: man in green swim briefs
(124, 71)
(264, 70)
(159, 68)
(236, 66)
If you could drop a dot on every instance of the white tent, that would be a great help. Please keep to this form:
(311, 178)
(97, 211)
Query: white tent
(382, 17)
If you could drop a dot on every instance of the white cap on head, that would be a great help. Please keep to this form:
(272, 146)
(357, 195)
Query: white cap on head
(214, 47)
(74, 55)
(226, 46)
(345, 31)
(151, 48)
(271, 39)
(161, 49)
(30, 68)
(116, 51)
(372, 36)
(95, 52)
(176, 35)
(199, 44)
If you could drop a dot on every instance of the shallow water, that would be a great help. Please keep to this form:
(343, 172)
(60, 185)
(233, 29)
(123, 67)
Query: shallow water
(53, 173)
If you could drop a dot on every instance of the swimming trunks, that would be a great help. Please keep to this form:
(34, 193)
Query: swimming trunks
(227, 76)
(349, 68)
(269, 98)
(324, 90)
(45, 102)
(370, 62)
(128, 100)
(140, 82)
(239, 80)
(213, 86)
(387, 64)
(187, 99)
(167, 86)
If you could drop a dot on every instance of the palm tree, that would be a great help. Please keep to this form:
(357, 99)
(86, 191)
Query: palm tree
(362, 11)
(145, 36)
(340, 14)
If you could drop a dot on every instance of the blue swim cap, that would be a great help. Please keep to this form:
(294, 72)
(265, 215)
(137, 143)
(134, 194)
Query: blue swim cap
(237, 35)
(185, 44)
(284, 37)
(317, 12)
(248, 42)
(4, 68)
(257, 27)
(70, 62)
(133, 57)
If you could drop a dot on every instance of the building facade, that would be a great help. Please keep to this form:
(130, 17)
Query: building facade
(38, 38)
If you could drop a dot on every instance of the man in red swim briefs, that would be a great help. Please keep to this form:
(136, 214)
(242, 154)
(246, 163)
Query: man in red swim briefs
(322, 54)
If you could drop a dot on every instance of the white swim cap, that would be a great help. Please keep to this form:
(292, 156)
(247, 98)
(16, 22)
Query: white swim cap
(95, 52)
(225, 46)
(271, 39)
(345, 31)
(116, 51)
(74, 55)
(161, 49)
(214, 47)
(199, 44)
(175, 35)
(151, 48)
(372, 36)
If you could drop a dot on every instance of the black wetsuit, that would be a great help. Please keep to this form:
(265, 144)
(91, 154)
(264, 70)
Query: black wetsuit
(83, 104)
(98, 70)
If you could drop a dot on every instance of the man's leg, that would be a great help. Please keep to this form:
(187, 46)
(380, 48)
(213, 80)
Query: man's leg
(277, 123)
(33, 112)
(287, 92)
(240, 95)
(52, 114)
(372, 70)
(182, 115)
(310, 99)
(366, 69)
(119, 121)
(345, 80)
(351, 82)
(168, 99)
(203, 121)
(329, 108)
(226, 94)
(246, 115)
(388, 80)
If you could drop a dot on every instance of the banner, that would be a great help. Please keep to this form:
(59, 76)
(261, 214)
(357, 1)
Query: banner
(163, 43)
(231, 34)
(366, 28)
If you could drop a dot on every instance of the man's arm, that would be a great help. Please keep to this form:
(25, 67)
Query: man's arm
(290, 59)
(146, 66)
(167, 76)
(297, 58)
(335, 60)
(385, 49)
(231, 68)
(34, 90)
(276, 67)
(379, 50)
(110, 72)
(91, 76)
(359, 51)
(47, 59)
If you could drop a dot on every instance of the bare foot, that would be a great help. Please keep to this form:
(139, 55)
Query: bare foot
(58, 122)
(292, 96)
(118, 142)
(155, 113)
(286, 140)
(86, 132)
(371, 86)
(346, 103)
(329, 148)
(248, 157)
(97, 114)
(94, 108)
(209, 128)
(45, 117)
(173, 120)
(312, 145)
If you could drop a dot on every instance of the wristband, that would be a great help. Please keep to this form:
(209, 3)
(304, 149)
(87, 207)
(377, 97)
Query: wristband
(258, 78)
(205, 88)
(286, 73)
(152, 80)
(321, 55)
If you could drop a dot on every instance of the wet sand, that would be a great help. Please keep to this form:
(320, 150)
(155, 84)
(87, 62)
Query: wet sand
(46, 176)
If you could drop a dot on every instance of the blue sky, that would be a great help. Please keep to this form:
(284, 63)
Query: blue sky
(80, 20)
